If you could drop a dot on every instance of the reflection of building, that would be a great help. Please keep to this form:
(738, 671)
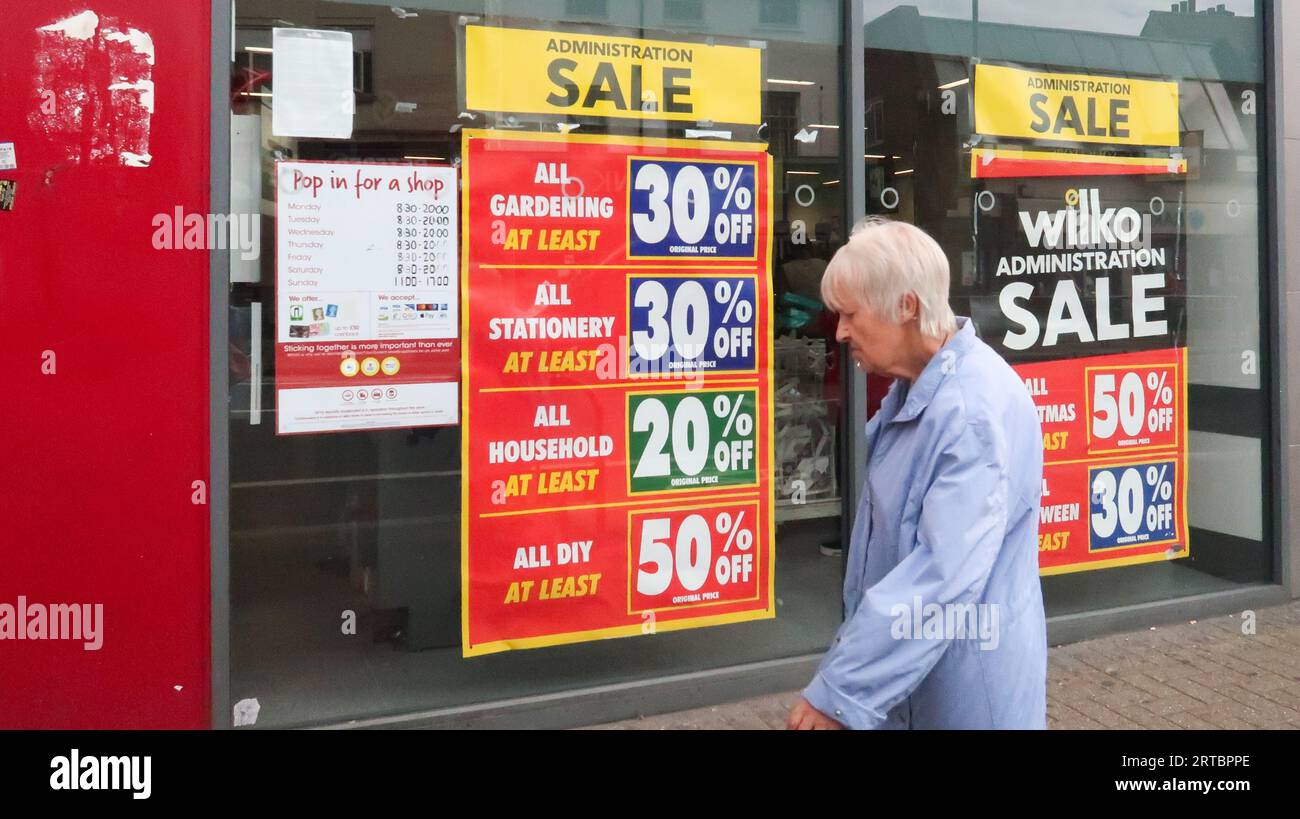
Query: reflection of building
(1210, 58)
(1231, 38)
(1219, 132)
(921, 133)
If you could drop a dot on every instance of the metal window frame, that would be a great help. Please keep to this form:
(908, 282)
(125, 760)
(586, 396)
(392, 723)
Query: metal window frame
(709, 687)
(1283, 359)
(221, 48)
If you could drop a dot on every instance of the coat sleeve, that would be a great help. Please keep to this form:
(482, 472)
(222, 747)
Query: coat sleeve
(875, 660)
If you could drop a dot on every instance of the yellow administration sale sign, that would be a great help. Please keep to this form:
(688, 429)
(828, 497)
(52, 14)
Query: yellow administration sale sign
(1014, 102)
(551, 72)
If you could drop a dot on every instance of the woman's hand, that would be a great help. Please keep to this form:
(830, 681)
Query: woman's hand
(803, 717)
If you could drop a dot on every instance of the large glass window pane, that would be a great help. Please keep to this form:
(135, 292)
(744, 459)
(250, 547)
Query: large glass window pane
(345, 550)
(983, 129)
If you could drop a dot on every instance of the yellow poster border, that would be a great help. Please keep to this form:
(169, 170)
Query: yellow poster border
(687, 384)
(606, 139)
(1132, 560)
(743, 495)
(565, 638)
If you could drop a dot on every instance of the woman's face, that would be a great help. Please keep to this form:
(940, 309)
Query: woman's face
(877, 344)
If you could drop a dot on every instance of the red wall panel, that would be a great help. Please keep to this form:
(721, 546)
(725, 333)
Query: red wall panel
(97, 459)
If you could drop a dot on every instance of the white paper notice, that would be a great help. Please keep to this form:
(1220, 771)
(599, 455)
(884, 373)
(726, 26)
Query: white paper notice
(367, 296)
(311, 75)
(8, 158)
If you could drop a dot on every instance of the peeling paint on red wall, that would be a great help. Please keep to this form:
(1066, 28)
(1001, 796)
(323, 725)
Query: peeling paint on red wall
(95, 76)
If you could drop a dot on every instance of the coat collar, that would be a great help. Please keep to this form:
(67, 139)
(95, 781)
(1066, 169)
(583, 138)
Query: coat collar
(935, 372)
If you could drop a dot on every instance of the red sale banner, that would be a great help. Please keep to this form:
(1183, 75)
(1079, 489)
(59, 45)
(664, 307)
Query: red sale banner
(617, 388)
(1115, 459)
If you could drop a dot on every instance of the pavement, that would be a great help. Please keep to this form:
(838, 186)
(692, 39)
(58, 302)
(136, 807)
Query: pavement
(1205, 674)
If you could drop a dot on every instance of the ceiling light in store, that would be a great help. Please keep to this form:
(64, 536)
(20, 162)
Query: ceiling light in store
(266, 94)
(819, 125)
(954, 83)
(792, 82)
(259, 49)
(805, 173)
(831, 182)
(904, 173)
(873, 156)
(427, 158)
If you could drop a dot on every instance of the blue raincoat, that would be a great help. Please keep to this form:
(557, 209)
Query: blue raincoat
(944, 624)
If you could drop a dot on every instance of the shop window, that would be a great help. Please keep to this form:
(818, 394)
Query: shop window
(345, 543)
(1148, 115)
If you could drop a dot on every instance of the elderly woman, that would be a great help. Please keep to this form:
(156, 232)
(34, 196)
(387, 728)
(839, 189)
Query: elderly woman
(944, 624)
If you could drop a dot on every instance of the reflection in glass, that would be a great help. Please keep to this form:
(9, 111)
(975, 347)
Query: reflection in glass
(345, 567)
(921, 60)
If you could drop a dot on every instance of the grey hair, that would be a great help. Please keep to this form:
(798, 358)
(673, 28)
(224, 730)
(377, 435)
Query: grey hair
(883, 261)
